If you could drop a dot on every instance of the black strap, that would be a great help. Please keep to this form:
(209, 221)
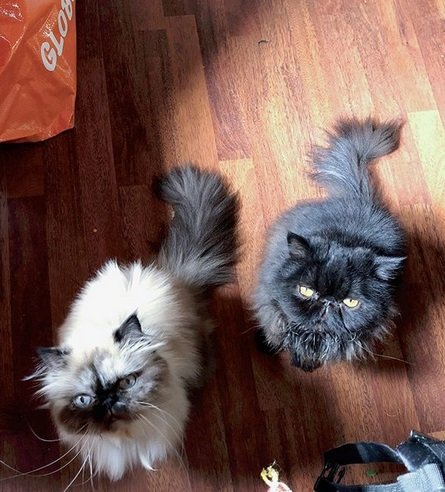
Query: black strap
(352, 454)
(362, 452)
(420, 450)
(421, 455)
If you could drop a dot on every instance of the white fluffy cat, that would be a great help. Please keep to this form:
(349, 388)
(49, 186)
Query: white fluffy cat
(136, 339)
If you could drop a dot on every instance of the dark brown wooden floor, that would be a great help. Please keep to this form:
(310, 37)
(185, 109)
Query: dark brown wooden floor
(242, 86)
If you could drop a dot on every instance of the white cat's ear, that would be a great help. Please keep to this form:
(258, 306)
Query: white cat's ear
(298, 246)
(131, 327)
(387, 267)
(52, 357)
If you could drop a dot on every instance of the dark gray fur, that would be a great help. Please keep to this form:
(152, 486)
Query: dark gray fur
(201, 244)
(348, 245)
(342, 167)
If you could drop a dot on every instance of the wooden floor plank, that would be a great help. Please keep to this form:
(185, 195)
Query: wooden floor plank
(429, 136)
(193, 131)
(26, 176)
(65, 233)
(427, 19)
(97, 176)
(423, 314)
(245, 87)
(6, 348)
(143, 222)
(147, 16)
(30, 327)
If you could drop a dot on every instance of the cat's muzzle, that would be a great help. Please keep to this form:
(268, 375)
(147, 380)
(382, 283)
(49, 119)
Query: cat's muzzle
(306, 349)
(307, 365)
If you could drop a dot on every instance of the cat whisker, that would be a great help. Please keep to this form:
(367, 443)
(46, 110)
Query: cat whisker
(83, 471)
(82, 466)
(181, 461)
(83, 476)
(170, 444)
(176, 431)
(92, 475)
(148, 421)
(390, 357)
(66, 464)
(40, 438)
(151, 405)
(21, 474)
(90, 465)
(249, 329)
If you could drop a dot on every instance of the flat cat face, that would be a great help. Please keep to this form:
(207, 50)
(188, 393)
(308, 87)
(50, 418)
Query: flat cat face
(108, 389)
(332, 297)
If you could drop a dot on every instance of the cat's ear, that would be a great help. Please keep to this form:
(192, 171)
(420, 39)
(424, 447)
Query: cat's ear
(298, 246)
(387, 267)
(52, 357)
(131, 327)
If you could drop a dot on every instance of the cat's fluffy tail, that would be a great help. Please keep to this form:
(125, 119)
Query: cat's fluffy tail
(201, 244)
(342, 167)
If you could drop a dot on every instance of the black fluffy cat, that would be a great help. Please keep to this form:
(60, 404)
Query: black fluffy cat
(325, 289)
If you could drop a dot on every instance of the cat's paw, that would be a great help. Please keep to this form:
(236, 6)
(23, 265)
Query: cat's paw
(263, 345)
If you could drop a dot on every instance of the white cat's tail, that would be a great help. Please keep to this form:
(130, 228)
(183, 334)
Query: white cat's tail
(342, 167)
(201, 243)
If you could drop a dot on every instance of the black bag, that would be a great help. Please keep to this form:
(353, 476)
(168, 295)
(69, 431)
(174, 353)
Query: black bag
(423, 456)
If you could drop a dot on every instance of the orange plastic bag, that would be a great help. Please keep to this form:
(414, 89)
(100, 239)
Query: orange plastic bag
(37, 68)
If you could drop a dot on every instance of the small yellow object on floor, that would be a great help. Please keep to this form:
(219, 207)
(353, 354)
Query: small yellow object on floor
(270, 476)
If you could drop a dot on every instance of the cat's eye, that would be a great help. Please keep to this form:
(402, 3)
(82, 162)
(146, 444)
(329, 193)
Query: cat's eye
(83, 401)
(351, 303)
(306, 291)
(127, 382)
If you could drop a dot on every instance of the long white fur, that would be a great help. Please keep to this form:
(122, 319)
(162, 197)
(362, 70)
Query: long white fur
(198, 253)
(168, 314)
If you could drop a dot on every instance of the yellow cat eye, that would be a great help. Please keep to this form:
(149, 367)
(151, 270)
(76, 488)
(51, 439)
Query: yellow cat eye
(351, 303)
(306, 291)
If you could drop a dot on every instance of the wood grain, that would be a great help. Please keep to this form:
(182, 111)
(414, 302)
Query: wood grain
(244, 87)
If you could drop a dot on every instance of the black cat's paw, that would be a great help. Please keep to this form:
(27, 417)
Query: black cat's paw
(263, 345)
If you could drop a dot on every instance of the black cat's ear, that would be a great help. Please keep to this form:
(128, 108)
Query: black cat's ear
(388, 267)
(131, 327)
(52, 357)
(298, 246)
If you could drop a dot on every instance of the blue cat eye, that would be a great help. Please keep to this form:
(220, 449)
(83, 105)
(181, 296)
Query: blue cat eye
(127, 382)
(82, 401)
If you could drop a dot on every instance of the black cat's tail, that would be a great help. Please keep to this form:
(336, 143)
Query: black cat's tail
(201, 244)
(342, 167)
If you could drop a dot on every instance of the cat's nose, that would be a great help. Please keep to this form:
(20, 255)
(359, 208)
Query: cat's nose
(326, 304)
(118, 409)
